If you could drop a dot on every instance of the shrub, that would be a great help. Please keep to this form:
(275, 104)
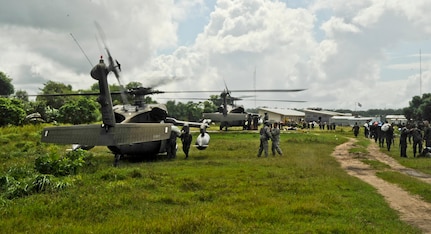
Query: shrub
(62, 166)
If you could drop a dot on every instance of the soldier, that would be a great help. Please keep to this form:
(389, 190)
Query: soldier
(427, 134)
(366, 130)
(275, 132)
(373, 131)
(381, 136)
(171, 143)
(389, 137)
(249, 121)
(186, 139)
(417, 140)
(404, 133)
(255, 122)
(356, 129)
(265, 117)
(265, 135)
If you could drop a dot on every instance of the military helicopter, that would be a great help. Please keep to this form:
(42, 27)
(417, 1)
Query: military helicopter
(134, 130)
(230, 114)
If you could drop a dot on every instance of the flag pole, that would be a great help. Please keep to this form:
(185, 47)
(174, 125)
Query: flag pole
(355, 107)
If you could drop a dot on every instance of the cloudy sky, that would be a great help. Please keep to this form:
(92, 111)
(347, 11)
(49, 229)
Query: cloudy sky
(373, 52)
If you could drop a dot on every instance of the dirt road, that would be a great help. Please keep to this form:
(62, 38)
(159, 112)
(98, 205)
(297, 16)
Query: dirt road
(412, 209)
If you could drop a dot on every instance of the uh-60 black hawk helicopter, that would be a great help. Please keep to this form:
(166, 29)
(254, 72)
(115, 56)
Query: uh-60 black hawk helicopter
(229, 114)
(140, 130)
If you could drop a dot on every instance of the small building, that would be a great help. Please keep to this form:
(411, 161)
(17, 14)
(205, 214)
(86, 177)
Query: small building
(323, 116)
(284, 116)
(396, 119)
(350, 120)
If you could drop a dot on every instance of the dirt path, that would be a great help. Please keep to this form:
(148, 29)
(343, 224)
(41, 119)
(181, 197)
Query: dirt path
(410, 207)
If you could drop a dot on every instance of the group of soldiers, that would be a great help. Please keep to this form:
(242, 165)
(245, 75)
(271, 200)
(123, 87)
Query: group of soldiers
(417, 134)
(269, 132)
(186, 139)
(410, 133)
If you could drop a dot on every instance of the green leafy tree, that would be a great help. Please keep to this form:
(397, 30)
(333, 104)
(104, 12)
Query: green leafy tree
(95, 87)
(209, 107)
(116, 99)
(82, 110)
(47, 113)
(39, 107)
(52, 87)
(408, 113)
(419, 108)
(189, 111)
(216, 100)
(11, 112)
(425, 107)
(6, 87)
(133, 84)
(22, 95)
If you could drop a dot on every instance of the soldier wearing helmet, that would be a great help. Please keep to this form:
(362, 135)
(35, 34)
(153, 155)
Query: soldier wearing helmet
(265, 135)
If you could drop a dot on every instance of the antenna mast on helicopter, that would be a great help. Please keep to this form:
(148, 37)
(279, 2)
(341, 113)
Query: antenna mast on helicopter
(81, 49)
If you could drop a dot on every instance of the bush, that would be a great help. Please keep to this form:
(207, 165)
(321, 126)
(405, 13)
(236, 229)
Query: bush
(14, 187)
(62, 166)
(11, 112)
(80, 111)
(23, 181)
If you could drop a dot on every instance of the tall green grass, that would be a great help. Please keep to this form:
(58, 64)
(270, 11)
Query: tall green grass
(224, 189)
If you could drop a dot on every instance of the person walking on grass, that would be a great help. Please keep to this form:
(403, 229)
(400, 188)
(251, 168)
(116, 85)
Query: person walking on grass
(275, 132)
(417, 140)
(356, 129)
(381, 136)
(171, 143)
(389, 137)
(366, 130)
(265, 135)
(404, 133)
(186, 139)
(427, 133)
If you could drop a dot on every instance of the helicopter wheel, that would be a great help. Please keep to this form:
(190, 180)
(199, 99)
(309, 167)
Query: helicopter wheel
(117, 159)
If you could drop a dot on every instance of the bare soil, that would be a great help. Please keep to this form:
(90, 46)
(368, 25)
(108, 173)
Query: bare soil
(412, 209)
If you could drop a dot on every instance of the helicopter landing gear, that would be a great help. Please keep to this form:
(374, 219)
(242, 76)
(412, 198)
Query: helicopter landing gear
(117, 159)
(223, 125)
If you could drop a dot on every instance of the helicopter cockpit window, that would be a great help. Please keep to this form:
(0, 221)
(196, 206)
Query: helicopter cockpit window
(119, 118)
(141, 118)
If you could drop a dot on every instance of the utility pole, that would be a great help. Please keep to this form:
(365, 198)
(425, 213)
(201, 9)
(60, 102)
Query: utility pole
(420, 72)
(254, 84)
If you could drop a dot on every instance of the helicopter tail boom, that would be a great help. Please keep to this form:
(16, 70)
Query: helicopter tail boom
(94, 134)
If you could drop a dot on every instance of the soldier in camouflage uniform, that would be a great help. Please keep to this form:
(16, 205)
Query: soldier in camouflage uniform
(265, 135)
(275, 132)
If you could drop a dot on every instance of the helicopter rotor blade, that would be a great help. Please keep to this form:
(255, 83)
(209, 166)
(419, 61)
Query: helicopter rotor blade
(64, 94)
(227, 89)
(272, 100)
(115, 67)
(241, 91)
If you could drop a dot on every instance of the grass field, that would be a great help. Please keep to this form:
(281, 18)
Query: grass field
(224, 189)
